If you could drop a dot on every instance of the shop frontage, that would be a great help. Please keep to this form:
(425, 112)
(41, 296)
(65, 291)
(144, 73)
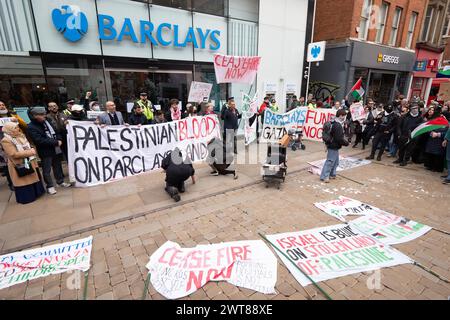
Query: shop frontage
(385, 71)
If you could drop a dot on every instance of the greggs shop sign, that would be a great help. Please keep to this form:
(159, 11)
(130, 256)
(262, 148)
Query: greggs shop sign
(385, 58)
(73, 24)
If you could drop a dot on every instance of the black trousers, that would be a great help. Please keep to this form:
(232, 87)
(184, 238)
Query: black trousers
(367, 134)
(222, 168)
(406, 149)
(379, 138)
(359, 138)
(173, 188)
(49, 163)
(434, 162)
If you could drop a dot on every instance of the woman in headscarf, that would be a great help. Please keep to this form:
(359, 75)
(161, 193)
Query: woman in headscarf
(20, 153)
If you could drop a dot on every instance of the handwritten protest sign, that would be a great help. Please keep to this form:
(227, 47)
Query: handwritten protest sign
(99, 155)
(93, 115)
(345, 163)
(357, 111)
(5, 120)
(199, 92)
(389, 228)
(333, 251)
(345, 206)
(177, 272)
(31, 264)
(276, 125)
(236, 69)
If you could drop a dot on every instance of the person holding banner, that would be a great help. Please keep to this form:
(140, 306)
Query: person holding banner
(225, 107)
(22, 164)
(138, 117)
(231, 124)
(77, 113)
(111, 117)
(174, 112)
(177, 172)
(147, 107)
(334, 143)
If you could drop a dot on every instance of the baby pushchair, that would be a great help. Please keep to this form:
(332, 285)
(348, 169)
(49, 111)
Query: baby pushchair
(275, 169)
(295, 141)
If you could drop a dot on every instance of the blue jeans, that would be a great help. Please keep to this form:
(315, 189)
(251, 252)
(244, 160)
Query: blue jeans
(330, 165)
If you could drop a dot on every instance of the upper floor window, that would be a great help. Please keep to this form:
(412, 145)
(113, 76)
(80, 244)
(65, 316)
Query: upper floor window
(364, 21)
(382, 22)
(411, 28)
(395, 25)
(427, 24)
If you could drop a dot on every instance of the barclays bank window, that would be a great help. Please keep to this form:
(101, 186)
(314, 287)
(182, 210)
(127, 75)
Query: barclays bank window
(215, 7)
(178, 4)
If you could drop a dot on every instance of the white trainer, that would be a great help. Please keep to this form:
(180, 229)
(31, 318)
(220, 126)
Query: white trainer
(64, 185)
(51, 190)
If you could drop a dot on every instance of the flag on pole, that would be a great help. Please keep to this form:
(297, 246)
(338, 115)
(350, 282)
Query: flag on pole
(357, 90)
(434, 124)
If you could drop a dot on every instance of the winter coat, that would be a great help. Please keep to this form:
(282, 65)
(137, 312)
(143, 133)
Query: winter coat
(447, 137)
(385, 123)
(17, 157)
(407, 124)
(434, 145)
(176, 172)
(45, 145)
(337, 136)
(230, 119)
(136, 119)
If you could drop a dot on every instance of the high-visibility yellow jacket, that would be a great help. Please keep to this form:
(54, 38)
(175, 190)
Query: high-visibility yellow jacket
(146, 107)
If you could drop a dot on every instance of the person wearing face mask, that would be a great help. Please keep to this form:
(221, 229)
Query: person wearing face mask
(407, 123)
(77, 113)
(58, 120)
(6, 113)
(385, 125)
(336, 141)
(94, 106)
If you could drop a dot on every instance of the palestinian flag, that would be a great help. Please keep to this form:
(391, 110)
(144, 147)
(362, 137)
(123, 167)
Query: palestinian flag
(434, 124)
(357, 90)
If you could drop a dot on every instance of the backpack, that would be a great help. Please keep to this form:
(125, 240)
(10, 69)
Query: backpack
(326, 133)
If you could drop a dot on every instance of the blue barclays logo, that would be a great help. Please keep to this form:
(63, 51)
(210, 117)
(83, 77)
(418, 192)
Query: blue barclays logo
(70, 21)
(315, 51)
(73, 24)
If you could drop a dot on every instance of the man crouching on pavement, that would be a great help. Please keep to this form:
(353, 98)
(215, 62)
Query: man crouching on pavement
(177, 172)
(220, 157)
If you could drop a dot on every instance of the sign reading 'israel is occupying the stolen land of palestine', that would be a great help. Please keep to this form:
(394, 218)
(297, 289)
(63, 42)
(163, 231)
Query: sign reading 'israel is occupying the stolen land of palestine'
(31, 264)
(177, 272)
(333, 251)
(99, 155)
(389, 228)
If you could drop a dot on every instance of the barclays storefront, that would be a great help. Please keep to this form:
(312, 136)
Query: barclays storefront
(59, 49)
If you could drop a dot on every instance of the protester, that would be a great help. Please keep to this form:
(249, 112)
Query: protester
(58, 121)
(446, 110)
(68, 109)
(385, 125)
(95, 106)
(147, 108)
(209, 109)
(263, 107)
(368, 126)
(358, 130)
(337, 105)
(137, 116)
(6, 113)
(274, 106)
(231, 125)
(78, 113)
(48, 145)
(301, 101)
(446, 145)
(191, 111)
(177, 170)
(159, 117)
(111, 117)
(407, 123)
(429, 114)
(220, 156)
(294, 104)
(434, 151)
(174, 112)
(335, 143)
(225, 107)
(22, 164)
(86, 101)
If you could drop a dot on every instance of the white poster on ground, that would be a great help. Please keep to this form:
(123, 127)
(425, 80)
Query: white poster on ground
(100, 155)
(389, 228)
(345, 163)
(177, 272)
(333, 251)
(31, 264)
(345, 206)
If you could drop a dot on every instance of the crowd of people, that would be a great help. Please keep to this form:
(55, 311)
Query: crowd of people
(45, 137)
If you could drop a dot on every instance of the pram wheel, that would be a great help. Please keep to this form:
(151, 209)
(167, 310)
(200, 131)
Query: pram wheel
(294, 148)
(303, 147)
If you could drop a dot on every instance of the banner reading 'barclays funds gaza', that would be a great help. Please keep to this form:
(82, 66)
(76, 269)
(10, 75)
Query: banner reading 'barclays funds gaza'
(99, 155)
(276, 125)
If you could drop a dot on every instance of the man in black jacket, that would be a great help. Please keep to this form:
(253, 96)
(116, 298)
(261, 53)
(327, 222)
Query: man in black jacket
(177, 171)
(407, 124)
(385, 125)
(48, 144)
(337, 141)
(231, 124)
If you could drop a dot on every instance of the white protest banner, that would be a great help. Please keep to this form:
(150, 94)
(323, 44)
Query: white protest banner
(177, 272)
(31, 264)
(92, 115)
(249, 110)
(5, 120)
(357, 111)
(345, 206)
(345, 163)
(276, 125)
(232, 69)
(389, 228)
(199, 92)
(333, 251)
(314, 121)
(99, 155)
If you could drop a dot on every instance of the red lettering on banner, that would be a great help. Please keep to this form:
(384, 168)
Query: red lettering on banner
(175, 256)
(216, 59)
(161, 259)
(182, 129)
(195, 279)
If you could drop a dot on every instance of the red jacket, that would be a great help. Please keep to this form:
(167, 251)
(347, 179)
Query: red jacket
(262, 108)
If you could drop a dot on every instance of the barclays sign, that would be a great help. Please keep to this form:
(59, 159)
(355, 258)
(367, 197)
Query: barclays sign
(73, 24)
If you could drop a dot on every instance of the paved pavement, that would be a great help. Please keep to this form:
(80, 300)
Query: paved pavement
(237, 210)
